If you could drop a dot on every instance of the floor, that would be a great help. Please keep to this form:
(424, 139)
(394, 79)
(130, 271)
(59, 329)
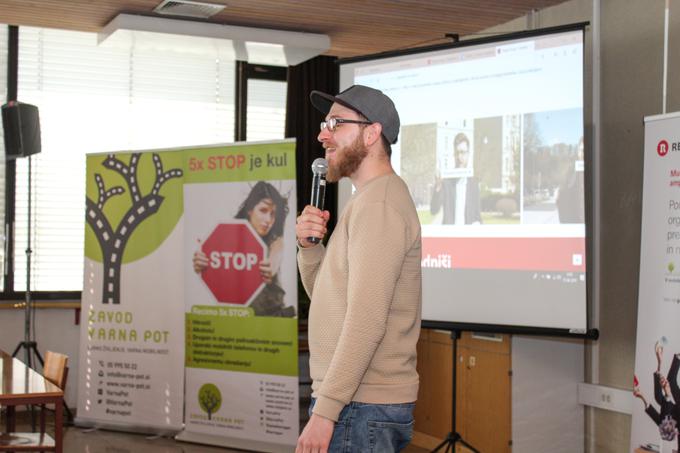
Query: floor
(79, 440)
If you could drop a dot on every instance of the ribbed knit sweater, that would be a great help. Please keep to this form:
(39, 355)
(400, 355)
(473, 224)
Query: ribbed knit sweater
(365, 291)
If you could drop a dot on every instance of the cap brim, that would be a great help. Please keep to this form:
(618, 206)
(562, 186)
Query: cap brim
(321, 101)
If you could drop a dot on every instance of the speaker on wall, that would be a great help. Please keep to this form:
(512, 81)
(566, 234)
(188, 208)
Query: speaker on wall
(21, 124)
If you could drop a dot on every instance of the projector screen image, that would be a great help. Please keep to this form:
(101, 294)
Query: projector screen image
(491, 147)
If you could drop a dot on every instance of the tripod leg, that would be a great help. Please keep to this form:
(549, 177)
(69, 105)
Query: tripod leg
(467, 445)
(69, 414)
(34, 346)
(446, 442)
(438, 447)
(14, 354)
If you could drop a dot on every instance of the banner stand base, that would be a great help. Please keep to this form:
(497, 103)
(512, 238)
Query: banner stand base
(163, 431)
(233, 442)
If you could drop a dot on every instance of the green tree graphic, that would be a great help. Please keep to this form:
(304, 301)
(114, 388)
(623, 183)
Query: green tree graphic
(210, 399)
(141, 206)
(671, 267)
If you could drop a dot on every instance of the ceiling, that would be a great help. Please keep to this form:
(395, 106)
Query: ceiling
(356, 27)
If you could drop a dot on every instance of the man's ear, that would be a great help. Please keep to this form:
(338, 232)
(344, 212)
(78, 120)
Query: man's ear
(372, 133)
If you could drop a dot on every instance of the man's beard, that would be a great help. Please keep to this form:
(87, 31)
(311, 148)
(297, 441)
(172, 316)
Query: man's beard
(347, 160)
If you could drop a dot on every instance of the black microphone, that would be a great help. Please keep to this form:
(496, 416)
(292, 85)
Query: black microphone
(319, 170)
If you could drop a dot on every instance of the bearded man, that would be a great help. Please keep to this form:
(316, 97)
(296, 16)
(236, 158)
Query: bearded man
(364, 286)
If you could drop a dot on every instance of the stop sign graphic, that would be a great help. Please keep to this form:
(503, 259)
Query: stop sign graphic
(234, 252)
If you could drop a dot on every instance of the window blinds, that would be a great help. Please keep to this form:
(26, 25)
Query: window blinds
(139, 93)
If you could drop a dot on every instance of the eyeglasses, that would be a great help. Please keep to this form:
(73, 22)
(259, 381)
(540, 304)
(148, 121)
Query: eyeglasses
(332, 123)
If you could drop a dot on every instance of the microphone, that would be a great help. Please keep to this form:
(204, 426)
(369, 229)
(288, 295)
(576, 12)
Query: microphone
(319, 170)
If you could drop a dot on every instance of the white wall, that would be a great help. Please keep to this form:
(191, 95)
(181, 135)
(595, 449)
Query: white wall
(546, 415)
(56, 331)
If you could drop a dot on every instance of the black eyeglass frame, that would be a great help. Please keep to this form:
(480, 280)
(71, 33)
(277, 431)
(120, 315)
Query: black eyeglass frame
(332, 123)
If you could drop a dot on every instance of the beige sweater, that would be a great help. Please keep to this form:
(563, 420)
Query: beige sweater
(365, 288)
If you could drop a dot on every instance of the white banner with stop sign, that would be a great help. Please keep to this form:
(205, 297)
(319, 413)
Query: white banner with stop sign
(241, 304)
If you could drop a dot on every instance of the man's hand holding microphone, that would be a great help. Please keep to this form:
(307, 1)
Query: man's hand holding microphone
(310, 226)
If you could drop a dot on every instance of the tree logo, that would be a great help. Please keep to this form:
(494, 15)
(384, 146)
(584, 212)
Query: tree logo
(210, 399)
(130, 214)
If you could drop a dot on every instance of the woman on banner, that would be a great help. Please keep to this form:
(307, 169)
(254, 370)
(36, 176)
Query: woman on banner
(266, 210)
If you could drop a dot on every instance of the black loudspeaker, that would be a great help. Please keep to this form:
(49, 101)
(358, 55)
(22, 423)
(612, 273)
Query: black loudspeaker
(21, 124)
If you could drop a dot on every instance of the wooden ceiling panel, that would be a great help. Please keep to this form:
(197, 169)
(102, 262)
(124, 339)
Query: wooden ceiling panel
(356, 27)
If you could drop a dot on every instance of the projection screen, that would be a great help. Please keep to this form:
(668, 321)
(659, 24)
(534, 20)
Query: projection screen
(491, 147)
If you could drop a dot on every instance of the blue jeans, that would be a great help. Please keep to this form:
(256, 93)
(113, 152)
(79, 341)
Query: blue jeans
(364, 427)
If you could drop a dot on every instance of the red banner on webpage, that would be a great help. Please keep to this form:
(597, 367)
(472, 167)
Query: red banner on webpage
(533, 254)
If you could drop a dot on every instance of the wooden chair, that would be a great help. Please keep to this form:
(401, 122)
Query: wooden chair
(55, 370)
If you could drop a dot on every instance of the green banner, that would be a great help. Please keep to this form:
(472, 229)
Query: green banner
(240, 163)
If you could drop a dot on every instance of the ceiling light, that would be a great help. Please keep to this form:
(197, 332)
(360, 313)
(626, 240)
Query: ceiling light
(254, 45)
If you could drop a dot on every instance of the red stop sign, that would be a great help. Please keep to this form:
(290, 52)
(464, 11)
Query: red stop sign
(234, 253)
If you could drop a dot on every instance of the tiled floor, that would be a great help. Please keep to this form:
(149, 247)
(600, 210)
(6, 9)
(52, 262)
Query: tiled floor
(79, 440)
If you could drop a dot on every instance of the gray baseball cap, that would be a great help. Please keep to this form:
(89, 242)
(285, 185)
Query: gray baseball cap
(371, 103)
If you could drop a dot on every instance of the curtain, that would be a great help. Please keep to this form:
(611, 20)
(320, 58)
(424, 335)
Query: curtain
(302, 122)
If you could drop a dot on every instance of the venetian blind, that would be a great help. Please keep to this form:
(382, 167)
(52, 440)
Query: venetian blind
(137, 93)
(266, 118)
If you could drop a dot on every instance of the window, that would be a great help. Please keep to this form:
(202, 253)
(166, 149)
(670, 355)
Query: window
(139, 92)
(261, 102)
(266, 116)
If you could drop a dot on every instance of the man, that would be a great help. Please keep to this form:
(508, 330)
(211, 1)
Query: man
(459, 196)
(365, 286)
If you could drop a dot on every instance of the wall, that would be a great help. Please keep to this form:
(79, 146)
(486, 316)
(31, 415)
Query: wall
(632, 59)
(546, 415)
(55, 330)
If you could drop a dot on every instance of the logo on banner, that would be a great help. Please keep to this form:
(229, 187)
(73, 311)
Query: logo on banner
(234, 252)
(113, 238)
(210, 399)
(662, 148)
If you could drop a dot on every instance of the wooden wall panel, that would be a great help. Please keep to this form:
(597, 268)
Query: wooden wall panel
(483, 390)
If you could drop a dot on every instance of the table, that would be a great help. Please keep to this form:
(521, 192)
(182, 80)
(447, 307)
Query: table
(21, 385)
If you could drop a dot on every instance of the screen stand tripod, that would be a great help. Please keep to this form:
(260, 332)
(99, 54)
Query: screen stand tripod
(454, 437)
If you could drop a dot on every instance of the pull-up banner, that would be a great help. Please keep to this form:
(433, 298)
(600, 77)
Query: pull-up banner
(241, 298)
(131, 337)
(656, 411)
(190, 261)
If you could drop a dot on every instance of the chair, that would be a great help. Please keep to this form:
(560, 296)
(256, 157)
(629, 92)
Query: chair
(55, 370)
